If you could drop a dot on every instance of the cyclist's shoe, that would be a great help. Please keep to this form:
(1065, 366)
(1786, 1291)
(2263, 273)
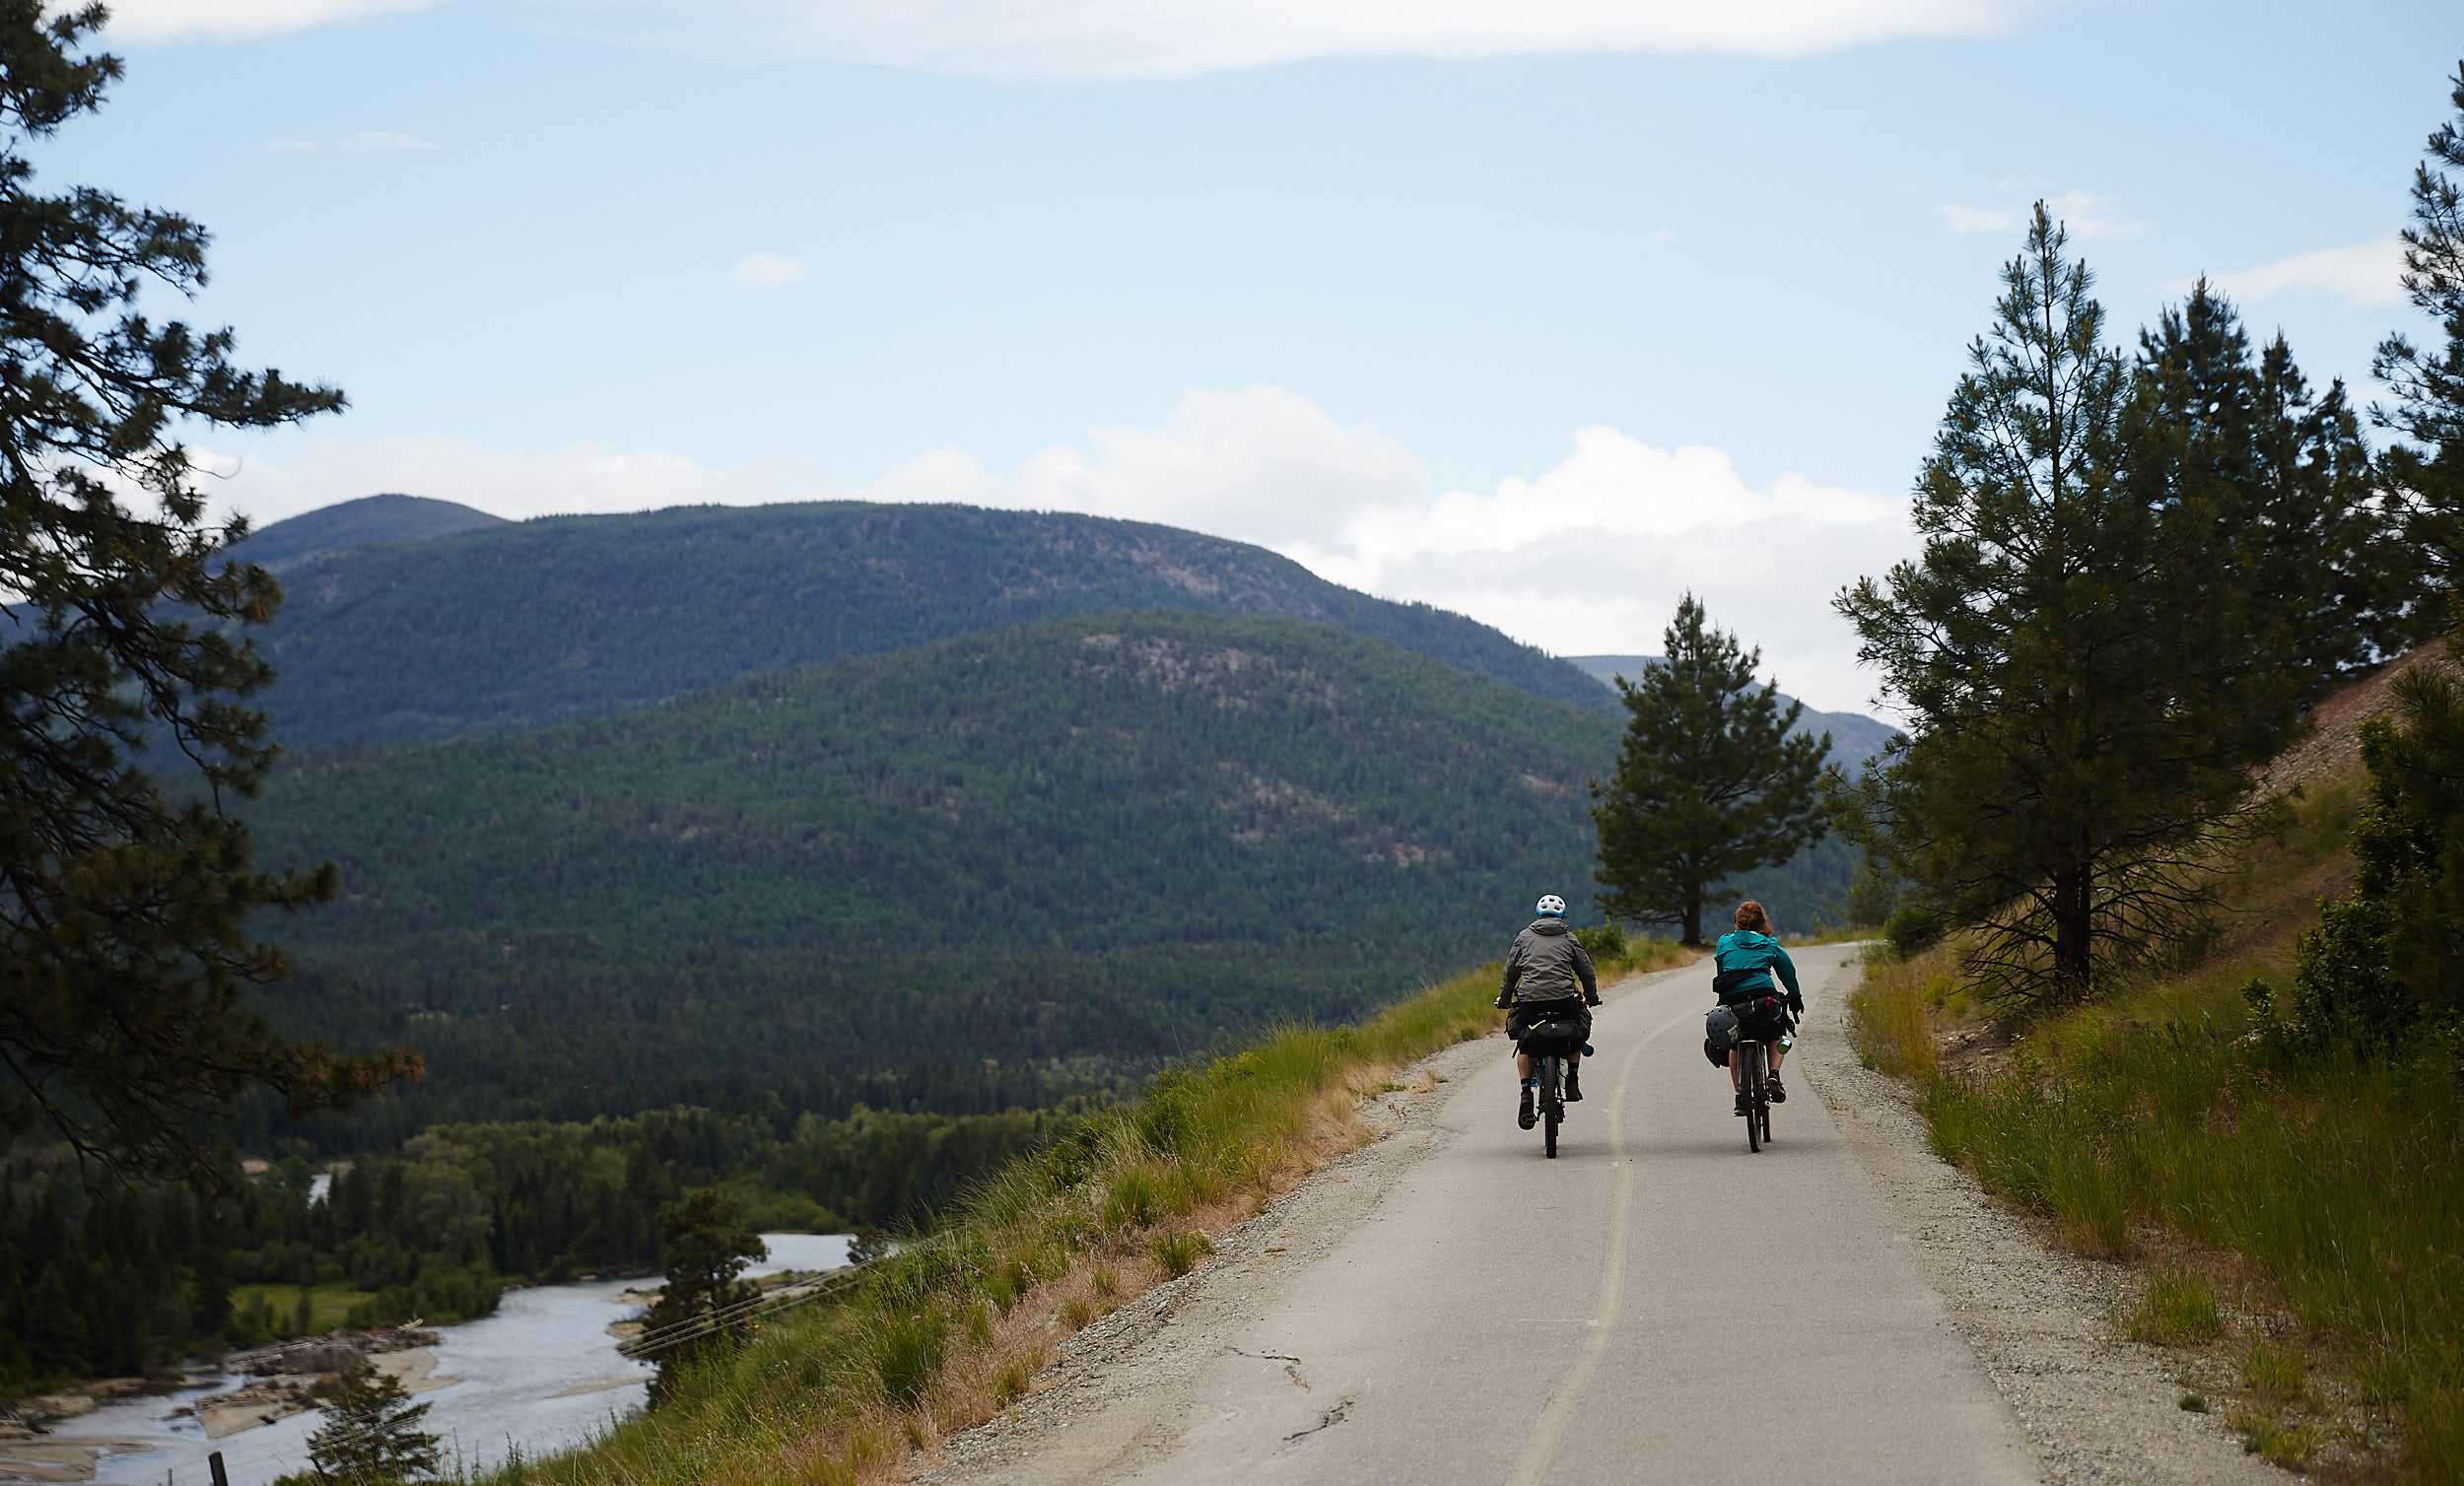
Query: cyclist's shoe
(1574, 1086)
(1523, 1115)
(1741, 1107)
(1771, 1087)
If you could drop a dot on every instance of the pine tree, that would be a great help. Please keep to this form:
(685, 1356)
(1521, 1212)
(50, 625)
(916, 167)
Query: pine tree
(2287, 479)
(2088, 670)
(124, 913)
(371, 1438)
(704, 1246)
(1709, 781)
(2427, 472)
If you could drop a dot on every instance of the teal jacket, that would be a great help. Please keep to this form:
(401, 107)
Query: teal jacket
(1757, 955)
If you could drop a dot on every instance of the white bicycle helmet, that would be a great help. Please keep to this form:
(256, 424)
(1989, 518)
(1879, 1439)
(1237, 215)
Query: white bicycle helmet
(1550, 902)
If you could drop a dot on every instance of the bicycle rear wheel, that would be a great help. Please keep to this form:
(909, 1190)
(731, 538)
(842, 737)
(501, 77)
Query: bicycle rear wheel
(1552, 1102)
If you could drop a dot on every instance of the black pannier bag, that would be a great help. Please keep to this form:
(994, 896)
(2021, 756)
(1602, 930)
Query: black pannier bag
(1719, 1034)
(1559, 1038)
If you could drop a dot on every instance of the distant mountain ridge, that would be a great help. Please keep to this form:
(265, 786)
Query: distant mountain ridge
(504, 627)
(356, 524)
(1855, 737)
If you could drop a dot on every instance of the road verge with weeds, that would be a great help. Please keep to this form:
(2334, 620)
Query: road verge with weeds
(955, 1326)
(2297, 1224)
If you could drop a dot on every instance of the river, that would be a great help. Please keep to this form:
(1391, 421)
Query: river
(540, 1375)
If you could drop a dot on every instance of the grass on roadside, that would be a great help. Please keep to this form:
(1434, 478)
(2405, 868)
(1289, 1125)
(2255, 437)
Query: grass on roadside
(955, 1328)
(2152, 1124)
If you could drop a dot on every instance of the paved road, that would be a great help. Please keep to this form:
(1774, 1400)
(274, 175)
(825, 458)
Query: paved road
(1655, 1305)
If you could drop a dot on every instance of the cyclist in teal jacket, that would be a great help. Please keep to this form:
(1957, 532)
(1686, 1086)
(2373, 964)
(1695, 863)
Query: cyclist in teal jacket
(1745, 960)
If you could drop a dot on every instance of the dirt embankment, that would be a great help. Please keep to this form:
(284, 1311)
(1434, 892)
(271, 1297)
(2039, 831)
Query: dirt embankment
(2331, 750)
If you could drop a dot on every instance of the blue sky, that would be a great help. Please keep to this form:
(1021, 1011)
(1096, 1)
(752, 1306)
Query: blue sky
(1545, 312)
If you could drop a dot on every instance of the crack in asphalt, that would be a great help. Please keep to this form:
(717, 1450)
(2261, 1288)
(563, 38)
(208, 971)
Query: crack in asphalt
(1261, 1356)
(1291, 1370)
(1328, 1420)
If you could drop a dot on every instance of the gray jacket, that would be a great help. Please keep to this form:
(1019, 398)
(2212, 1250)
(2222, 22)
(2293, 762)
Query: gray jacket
(1545, 964)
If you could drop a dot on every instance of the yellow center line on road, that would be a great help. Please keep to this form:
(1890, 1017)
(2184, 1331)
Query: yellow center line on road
(1611, 1284)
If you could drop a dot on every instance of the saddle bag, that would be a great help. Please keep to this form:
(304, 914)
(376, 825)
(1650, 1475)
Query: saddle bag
(1762, 1018)
(1559, 1038)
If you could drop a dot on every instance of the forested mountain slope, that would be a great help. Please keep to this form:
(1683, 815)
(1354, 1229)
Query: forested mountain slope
(1115, 836)
(1855, 737)
(517, 626)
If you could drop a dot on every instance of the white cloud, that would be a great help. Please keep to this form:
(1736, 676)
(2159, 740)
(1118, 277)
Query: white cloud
(2093, 217)
(1587, 558)
(764, 271)
(1260, 465)
(1968, 219)
(1591, 556)
(1146, 39)
(2084, 215)
(2362, 275)
(1160, 37)
(236, 20)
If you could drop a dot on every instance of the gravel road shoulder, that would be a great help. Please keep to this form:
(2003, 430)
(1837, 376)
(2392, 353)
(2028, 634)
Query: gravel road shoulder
(2096, 1405)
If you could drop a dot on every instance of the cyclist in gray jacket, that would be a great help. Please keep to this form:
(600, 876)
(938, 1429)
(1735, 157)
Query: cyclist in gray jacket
(1548, 977)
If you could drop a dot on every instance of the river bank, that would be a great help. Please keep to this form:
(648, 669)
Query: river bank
(540, 1375)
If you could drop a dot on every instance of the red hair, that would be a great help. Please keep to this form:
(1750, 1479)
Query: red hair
(1749, 915)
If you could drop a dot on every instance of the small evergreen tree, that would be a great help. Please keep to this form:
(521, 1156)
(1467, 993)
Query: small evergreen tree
(2427, 471)
(1709, 780)
(2383, 958)
(2088, 670)
(371, 1436)
(704, 1247)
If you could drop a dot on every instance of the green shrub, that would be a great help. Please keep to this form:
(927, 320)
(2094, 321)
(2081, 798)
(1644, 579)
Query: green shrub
(1180, 1250)
(1912, 929)
(1606, 942)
